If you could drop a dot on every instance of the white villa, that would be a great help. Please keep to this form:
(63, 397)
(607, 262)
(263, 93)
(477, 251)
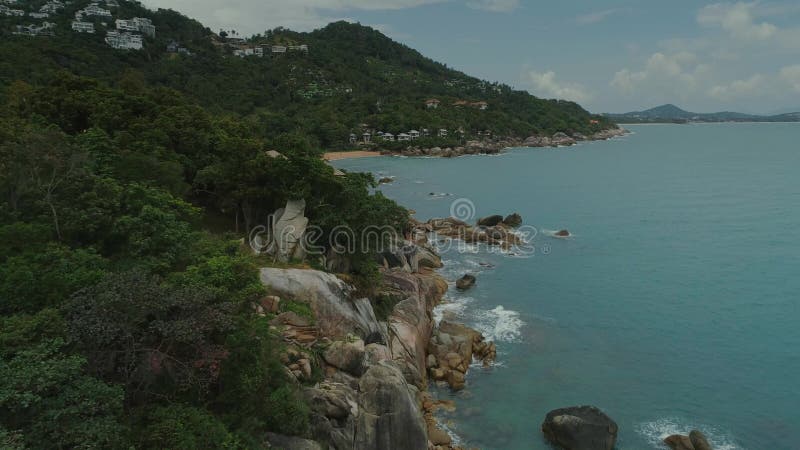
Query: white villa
(94, 10)
(442, 132)
(249, 51)
(432, 103)
(353, 138)
(51, 7)
(137, 24)
(82, 27)
(299, 48)
(6, 11)
(367, 137)
(414, 134)
(278, 49)
(38, 15)
(124, 41)
(46, 29)
(403, 137)
(388, 137)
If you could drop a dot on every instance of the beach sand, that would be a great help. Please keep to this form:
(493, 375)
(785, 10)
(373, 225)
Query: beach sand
(333, 156)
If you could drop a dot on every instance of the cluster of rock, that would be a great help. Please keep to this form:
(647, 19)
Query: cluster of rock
(491, 230)
(487, 147)
(497, 145)
(588, 428)
(696, 440)
(375, 374)
(451, 350)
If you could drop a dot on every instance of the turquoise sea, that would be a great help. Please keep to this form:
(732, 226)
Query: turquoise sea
(675, 305)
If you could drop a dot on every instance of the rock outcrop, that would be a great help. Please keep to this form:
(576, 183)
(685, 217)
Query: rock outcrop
(513, 220)
(289, 226)
(696, 440)
(496, 235)
(465, 282)
(290, 442)
(337, 313)
(580, 428)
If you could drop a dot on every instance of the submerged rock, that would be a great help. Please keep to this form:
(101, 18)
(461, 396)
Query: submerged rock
(465, 282)
(562, 233)
(580, 428)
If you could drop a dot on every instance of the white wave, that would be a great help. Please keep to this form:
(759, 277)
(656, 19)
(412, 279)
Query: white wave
(451, 308)
(499, 324)
(656, 431)
(552, 233)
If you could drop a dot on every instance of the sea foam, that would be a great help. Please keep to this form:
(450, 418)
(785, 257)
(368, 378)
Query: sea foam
(656, 431)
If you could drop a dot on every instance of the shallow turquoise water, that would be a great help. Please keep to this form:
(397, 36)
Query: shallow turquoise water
(675, 304)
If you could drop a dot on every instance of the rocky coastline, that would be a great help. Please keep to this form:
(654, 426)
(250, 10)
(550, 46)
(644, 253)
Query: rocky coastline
(366, 379)
(498, 145)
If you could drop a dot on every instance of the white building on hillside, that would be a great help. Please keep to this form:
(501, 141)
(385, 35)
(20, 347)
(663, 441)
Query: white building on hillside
(6, 11)
(38, 15)
(82, 27)
(124, 41)
(278, 49)
(136, 25)
(95, 10)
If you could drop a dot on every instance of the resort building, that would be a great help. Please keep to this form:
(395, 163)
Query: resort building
(137, 24)
(95, 10)
(403, 137)
(38, 15)
(82, 27)
(124, 41)
(298, 48)
(414, 134)
(442, 132)
(6, 11)
(432, 103)
(353, 138)
(278, 49)
(367, 137)
(46, 29)
(481, 105)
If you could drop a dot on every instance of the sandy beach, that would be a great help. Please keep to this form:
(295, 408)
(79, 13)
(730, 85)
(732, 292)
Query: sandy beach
(333, 156)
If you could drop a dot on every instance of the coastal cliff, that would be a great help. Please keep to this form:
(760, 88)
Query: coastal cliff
(372, 392)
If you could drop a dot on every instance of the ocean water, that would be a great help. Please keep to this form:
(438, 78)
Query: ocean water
(675, 305)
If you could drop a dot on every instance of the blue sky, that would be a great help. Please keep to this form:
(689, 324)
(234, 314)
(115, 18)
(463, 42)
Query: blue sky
(610, 56)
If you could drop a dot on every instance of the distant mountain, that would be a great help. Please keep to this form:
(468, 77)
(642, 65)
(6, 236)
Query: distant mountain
(672, 114)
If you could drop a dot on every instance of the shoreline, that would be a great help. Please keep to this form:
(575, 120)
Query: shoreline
(336, 156)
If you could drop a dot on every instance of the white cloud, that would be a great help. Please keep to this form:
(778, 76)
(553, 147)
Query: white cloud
(545, 84)
(595, 17)
(738, 19)
(494, 5)
(739, 88)
(791, 75)
(663, 72)
(255, 16)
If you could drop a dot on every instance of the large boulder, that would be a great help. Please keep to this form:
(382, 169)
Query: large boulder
(699, 440)
(334, 409)
(288, 229)
(290, 442)
(679, 442)
(337, 313)
(389, 418)
(513, 220)
(465, 282)
(580, 428)
(349, 356)
(490, 221)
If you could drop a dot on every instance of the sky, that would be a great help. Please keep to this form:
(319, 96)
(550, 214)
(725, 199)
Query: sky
(609, 56)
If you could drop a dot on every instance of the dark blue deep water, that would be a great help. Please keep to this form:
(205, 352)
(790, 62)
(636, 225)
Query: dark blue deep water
(676, 304)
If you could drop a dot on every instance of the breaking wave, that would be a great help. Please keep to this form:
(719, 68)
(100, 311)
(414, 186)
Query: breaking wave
(656, 431)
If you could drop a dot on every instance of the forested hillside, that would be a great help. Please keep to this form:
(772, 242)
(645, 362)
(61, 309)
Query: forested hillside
(350, 76)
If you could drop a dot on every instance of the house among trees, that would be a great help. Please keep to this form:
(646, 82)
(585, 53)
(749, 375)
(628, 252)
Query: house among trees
(432, 103)
(388, 137)
(6, 11)
(353, 138)
(278, 49)
(82, 27)
(122, 40)
(442, 132)
(46, 29)
(426, 132)
(175, 47)
(137, 24)
(414, 134)
(367, 137)
(403, 137)
(481, 105)
(299, 48)
(93, 10)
